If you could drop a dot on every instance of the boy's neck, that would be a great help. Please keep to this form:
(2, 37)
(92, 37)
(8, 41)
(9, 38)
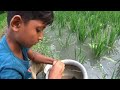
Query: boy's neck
(12, 43)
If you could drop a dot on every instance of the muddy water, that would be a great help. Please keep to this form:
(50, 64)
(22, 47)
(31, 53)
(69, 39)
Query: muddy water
(97, 69)
(72, 72)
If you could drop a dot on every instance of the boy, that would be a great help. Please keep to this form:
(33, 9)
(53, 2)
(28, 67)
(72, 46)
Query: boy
(25, 29)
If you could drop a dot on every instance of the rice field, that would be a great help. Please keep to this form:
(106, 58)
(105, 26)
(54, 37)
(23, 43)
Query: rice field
(87, 35)
(90, 37)
(100, 27)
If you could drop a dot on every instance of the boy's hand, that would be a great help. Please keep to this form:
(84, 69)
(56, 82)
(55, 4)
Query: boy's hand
(56, 70)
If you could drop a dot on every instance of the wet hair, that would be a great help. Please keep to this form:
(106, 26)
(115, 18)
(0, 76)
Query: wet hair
(45, 16)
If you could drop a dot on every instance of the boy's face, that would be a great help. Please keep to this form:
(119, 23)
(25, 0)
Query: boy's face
(28, 34)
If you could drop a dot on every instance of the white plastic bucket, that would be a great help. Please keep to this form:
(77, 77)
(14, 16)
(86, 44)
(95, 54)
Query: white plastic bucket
(69, 62)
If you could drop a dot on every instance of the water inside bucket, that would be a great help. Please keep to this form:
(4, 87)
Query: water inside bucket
(72, 72)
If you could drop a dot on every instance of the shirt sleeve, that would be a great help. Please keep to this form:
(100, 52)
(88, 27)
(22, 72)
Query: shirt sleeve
(10, 74)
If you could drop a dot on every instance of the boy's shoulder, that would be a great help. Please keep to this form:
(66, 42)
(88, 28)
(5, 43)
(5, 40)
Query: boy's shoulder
(5, 54)
(3, 46)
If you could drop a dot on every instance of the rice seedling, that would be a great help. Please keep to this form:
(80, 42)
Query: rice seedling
(79, 55)
(73, 22)
(60, 20)
(98, 45)
(66, 42)
(78, 25)
(116, 72)
(82, 31)
(112, 37)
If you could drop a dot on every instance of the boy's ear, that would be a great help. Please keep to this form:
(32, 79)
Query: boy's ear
(16, 22)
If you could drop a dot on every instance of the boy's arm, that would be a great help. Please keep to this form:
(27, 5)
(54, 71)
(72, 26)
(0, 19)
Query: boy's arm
(57, 68)
(37, 57)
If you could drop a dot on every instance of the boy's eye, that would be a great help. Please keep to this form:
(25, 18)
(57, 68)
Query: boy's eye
(37, 30)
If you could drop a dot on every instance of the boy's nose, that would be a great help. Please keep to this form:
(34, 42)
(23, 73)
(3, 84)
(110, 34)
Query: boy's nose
(40, 38)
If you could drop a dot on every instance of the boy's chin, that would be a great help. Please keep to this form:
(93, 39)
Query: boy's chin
(28, 46)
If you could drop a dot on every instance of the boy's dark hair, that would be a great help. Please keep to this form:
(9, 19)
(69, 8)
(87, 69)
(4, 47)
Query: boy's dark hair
(45, 16)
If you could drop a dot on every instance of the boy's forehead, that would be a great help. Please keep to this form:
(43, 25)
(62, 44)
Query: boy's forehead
(38, 23)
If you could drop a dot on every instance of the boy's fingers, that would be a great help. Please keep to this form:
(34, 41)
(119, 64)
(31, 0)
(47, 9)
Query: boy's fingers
(63, 67)
(60, 64)
(54, 62)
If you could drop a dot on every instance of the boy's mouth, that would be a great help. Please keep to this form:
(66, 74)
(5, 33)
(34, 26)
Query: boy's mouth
(35, 43)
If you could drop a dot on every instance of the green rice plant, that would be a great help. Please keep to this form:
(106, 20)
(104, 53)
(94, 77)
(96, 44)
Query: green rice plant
(43, 48)
(112, 37)
(117, 28)
(103, 39)
(3, 23)
(116, 72)
(79, 55)
(77, 24)
(99, 44)
(60, 42)
(3, 18)
(73, 21)
(95, 28)
(82, 31)
(60, 20)
(67, 41)
(93, 24)
(102, 70)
